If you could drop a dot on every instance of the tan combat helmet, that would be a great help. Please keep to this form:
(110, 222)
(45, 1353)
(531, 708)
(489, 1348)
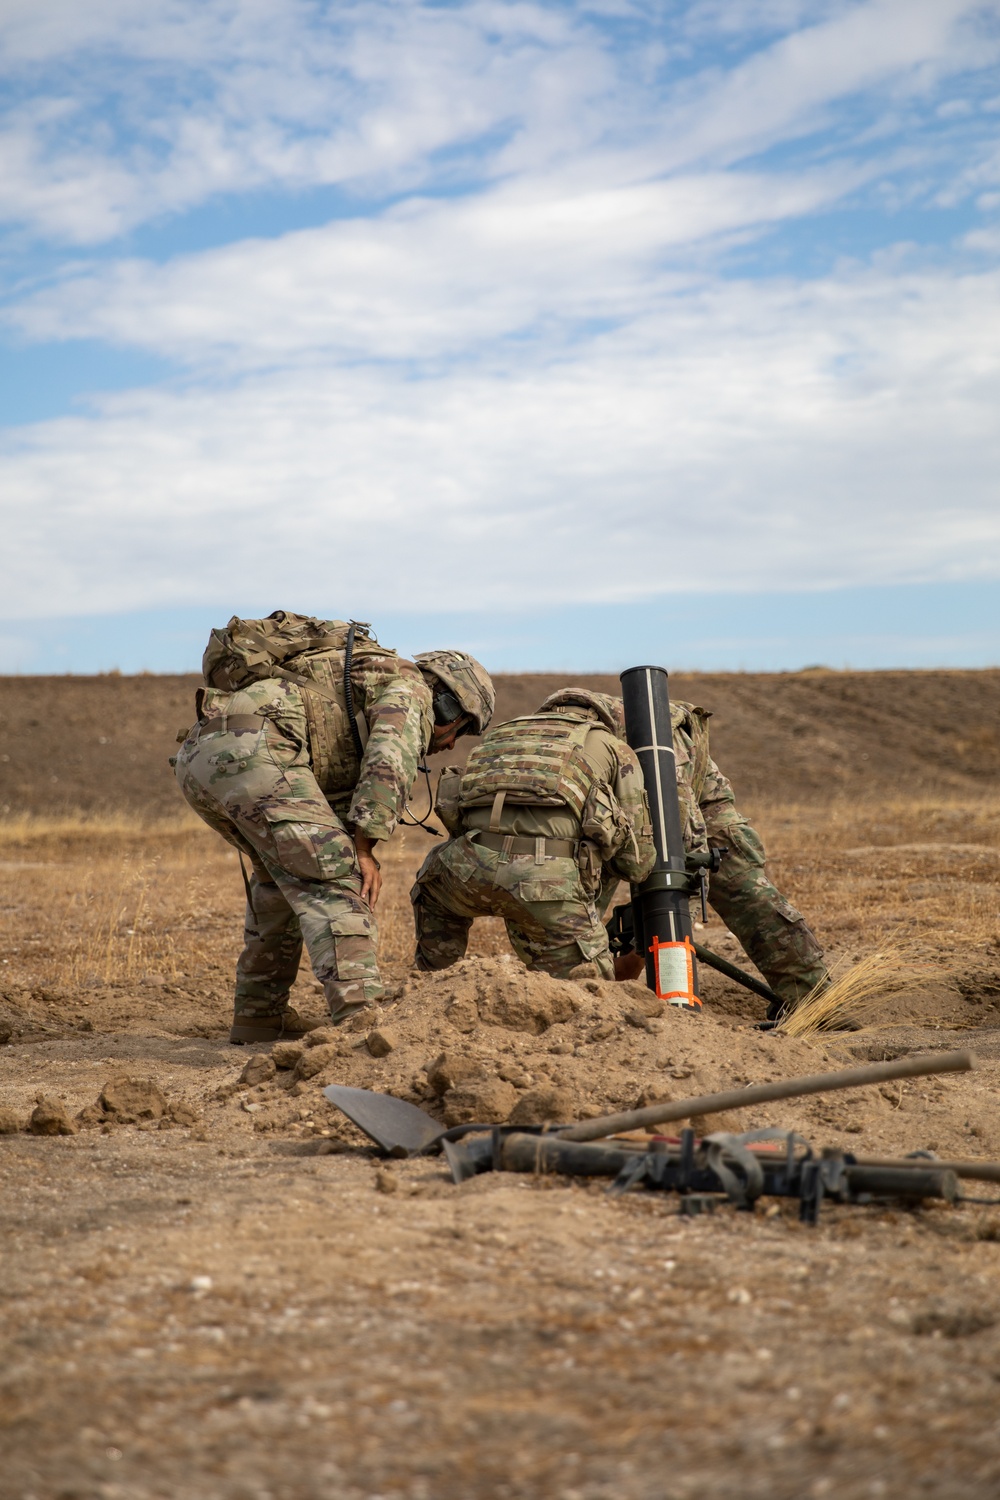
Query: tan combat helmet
(611, 711)
(460, 677)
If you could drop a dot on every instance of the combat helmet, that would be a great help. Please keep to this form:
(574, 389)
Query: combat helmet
(610, 711)
(462, 681)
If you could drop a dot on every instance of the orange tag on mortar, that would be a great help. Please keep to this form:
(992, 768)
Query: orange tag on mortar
(673, 966)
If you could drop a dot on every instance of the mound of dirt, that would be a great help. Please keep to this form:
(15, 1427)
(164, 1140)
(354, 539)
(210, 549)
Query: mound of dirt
(488, 1040)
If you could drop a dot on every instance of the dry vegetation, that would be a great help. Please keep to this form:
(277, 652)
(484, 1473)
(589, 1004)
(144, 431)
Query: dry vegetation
(196, 1305)
(115, 902)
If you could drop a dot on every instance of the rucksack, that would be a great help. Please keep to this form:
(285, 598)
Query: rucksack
(249, 650)
(314, 655)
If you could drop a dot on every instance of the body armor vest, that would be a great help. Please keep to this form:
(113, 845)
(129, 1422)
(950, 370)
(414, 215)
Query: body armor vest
(537, 760)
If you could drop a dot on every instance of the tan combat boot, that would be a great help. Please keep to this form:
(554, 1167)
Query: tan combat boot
(286, 1026)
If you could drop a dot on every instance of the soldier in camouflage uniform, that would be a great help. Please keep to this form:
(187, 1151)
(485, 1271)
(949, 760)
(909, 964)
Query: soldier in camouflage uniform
(455, 882)
(304, 766)
(548, 816)
(773, 932)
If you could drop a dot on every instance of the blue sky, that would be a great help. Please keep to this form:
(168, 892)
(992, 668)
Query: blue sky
(551, 329)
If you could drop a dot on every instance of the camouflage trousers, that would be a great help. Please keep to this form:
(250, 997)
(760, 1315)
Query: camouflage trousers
(773, 932)
(306, 884)
(551, 923)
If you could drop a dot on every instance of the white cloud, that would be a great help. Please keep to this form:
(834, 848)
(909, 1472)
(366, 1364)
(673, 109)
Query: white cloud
(527, 375)
(191, 99)
(138, 110)
(747, 436)
(426, 279)
(781, 91)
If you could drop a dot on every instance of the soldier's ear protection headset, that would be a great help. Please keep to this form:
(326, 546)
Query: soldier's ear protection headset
(447, 709)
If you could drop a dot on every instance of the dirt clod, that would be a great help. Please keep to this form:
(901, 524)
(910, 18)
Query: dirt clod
(479, 1099)
(258, 1069)
(315, 1059)
(49, 1117)
(126, 1100)
(503, 999)
(286, 1054)
(642, 999)
(543, 1106)
(180, 1112)
(462, 1014)
(382, 1041)
(451, 1069)
(10, 1123)
(322, 1036)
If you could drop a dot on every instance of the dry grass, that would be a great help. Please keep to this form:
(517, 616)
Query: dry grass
(113, 901)
(890, 888)
(27, 829)
(121, 937)
(857, 993)
(919, 876)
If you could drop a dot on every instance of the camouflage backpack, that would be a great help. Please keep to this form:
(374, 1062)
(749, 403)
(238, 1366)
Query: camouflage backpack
(314, 655)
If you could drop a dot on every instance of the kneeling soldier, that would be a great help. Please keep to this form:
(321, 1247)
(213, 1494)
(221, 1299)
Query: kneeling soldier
(526, 782)
(773, 932)
(306, 749)
(548, 816)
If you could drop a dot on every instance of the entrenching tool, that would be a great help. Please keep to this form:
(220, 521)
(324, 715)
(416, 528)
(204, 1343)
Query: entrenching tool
(403, 1129)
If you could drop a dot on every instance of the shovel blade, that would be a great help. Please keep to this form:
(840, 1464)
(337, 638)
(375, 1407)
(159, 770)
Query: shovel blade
(401, 1129)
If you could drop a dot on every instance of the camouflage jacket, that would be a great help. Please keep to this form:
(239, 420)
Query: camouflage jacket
(395, 700)
(705, 795)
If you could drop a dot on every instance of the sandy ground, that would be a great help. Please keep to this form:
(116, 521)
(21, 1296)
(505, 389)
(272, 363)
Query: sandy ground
(231, 1298)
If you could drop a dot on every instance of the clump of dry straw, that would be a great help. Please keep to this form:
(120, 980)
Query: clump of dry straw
(852, 999)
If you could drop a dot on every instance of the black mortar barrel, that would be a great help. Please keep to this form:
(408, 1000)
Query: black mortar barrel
(660, 905)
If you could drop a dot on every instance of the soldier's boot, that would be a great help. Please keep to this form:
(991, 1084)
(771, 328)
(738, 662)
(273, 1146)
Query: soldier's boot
(286, 1026)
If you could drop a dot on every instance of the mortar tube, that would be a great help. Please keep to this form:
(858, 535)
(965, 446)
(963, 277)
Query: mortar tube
(661, 906)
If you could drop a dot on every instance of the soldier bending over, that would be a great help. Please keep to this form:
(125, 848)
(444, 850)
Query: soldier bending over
(306, 749)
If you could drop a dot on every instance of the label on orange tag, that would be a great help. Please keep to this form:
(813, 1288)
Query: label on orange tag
(674, 969)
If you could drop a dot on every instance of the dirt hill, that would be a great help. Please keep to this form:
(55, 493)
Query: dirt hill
(99, 743)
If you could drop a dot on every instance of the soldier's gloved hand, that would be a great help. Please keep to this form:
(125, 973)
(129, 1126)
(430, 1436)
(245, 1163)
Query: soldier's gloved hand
(371, 877)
